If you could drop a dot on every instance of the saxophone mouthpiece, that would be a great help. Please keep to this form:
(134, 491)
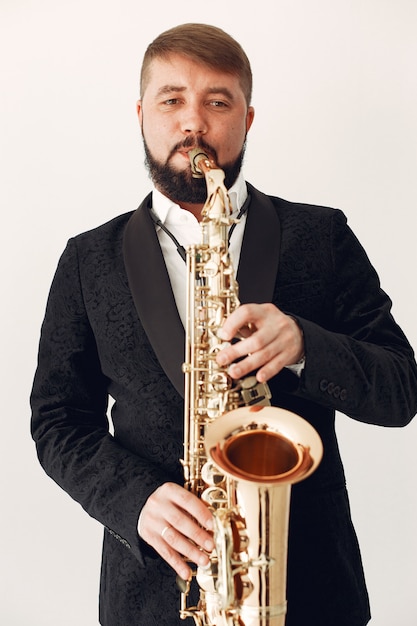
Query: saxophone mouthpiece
(196, 155)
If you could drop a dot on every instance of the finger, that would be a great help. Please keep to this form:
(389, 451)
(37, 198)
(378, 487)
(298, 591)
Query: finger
(182, 525)
(177, 549)
(240, 320)
(260, 346)
(189, 506)
(168, 525)
(252, 344)
(270, 369)
(171, 499)
(266, 363)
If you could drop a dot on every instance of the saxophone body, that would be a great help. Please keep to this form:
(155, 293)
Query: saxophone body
(241, 455)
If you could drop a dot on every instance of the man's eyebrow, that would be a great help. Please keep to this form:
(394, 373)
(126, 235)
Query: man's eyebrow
(221, 90)
(168, 89)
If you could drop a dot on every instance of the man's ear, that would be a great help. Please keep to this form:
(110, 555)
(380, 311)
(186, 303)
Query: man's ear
(249, 117)
(139, 112)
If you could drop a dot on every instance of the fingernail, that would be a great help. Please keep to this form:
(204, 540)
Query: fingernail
(208, 545)
(185, 574)
(202, 560)
(209, 524)
(221, 359)
(234, 371)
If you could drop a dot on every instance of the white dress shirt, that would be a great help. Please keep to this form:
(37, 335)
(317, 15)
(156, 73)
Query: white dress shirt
(187, 230)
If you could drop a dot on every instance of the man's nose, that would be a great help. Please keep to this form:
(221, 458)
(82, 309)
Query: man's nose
(194, 121)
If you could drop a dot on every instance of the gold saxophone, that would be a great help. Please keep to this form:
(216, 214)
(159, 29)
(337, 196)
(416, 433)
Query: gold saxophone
(241, 455)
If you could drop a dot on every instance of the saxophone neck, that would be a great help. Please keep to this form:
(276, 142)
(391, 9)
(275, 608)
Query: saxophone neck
(217, 205)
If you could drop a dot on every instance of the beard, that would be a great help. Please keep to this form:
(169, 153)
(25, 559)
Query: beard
(180, 185)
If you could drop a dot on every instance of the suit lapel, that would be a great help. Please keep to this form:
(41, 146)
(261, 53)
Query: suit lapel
(152, 293)
(259, 257)
(151, 288)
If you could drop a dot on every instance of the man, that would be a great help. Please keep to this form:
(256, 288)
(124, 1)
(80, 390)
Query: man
(322, 336)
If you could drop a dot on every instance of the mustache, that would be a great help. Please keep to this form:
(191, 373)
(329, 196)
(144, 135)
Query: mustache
(194, 141)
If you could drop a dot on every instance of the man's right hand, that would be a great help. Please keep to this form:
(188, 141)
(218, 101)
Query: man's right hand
(178, 526)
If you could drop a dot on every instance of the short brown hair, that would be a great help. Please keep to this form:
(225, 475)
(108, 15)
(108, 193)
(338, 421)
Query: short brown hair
(204, 44)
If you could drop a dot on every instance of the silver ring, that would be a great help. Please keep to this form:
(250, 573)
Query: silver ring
(164, 530)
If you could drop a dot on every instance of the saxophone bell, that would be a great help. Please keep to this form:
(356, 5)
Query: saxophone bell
(263, 451)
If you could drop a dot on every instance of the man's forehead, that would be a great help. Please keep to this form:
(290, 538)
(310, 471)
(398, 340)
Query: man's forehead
(173, 73)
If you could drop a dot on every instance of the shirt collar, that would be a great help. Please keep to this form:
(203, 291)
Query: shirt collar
(238, 193)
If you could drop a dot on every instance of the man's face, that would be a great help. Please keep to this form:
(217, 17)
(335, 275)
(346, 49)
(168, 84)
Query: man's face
(186, 104)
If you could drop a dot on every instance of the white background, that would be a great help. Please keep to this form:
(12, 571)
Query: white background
(336, 101)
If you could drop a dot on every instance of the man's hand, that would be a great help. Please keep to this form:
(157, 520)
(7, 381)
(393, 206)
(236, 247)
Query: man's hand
(176, 523)
(272, 341)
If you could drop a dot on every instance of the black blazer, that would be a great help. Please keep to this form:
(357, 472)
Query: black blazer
(111, 328)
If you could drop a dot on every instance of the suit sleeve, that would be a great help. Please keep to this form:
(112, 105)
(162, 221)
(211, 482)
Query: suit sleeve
(69, 422)
(363, 365)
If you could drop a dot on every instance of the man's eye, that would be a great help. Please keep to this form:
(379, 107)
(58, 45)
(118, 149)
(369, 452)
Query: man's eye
(171, 101)
(218, 104)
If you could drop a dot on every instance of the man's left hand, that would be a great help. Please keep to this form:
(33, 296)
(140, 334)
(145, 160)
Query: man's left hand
(272, 340)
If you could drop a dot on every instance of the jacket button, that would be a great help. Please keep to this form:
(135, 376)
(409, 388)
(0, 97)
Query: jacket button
(324, 384)
(343, 394)
(336, 391)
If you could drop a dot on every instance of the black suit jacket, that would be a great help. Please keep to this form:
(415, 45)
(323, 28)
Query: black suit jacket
(111, 328)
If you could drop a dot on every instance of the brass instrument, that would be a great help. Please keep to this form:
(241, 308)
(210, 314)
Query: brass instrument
(241, 455)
